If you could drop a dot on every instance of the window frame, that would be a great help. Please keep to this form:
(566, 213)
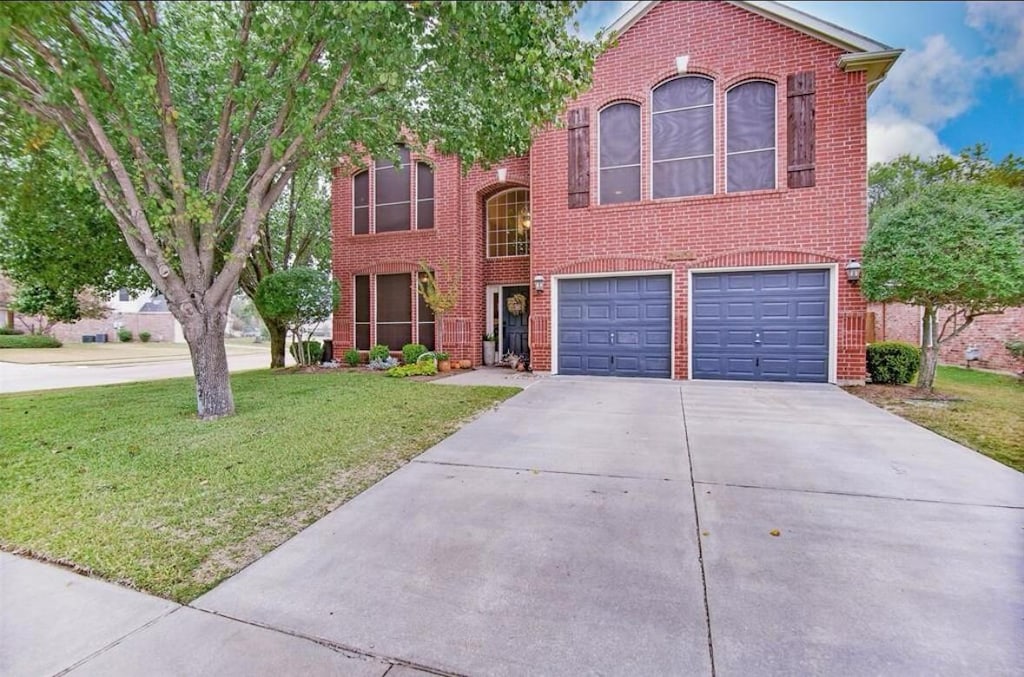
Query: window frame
(370, 283)
(775, 137)
(487, 223)
(640, 144)
(415, 189)
(714, 136)
(369, 200)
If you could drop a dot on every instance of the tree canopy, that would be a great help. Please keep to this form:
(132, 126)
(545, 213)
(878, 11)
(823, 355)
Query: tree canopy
(191, 118)
(298, 298)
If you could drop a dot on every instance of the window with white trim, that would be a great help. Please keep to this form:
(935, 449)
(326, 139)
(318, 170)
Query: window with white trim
(619, 155)
(682, 137)
(508, 224)
(750, 136)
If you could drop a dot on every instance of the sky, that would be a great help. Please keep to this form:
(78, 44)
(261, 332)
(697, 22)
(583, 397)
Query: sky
(959, 82)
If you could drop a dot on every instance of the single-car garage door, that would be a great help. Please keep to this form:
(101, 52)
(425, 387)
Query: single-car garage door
(615, 326)
(770, 325)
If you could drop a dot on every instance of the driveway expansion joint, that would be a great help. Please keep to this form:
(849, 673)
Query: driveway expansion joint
(539, 471)
(853, 494)
(116, 642)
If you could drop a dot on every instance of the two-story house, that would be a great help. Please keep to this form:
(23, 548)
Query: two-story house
(699, 214)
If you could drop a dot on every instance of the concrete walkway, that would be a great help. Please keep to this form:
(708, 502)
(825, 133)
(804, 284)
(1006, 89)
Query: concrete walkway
(598, 526)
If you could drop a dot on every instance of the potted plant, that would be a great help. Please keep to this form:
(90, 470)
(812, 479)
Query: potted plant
(443, 361)
(489, 348)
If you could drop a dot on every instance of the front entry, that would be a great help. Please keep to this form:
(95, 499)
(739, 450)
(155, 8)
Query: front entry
(515, 320)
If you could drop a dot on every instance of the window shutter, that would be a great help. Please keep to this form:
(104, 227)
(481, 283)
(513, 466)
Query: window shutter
(800, 96)
(579, 158)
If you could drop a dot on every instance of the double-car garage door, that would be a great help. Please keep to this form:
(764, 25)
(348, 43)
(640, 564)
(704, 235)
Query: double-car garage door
(770, 325)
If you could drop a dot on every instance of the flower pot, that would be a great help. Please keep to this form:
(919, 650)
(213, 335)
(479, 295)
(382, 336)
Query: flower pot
(465, 364)
(444, 365)
(489, 353)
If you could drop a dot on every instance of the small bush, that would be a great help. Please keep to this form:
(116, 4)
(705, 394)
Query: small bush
(893, 362)
(144, 336)
(379, 352)
(1016, 348)
(382, 364)
(422, 369)
(314, 349)
(352, 357)
(124, 336)
(412, 351)
(10, 331)
(28, 341)
(441, 357)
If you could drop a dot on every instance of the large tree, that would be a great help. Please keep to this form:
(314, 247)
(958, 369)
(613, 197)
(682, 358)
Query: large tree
(954, 247)
(191, 118)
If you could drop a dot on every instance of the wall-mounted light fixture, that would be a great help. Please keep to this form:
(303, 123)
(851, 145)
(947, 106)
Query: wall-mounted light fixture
(502, 174)
(853, 271)
(682, 63)
(538, 283)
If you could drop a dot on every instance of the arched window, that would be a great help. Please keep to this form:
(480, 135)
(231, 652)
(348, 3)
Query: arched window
(682, 137)
(508, 224)
(750, 136)
(424, 196)
(619, 157)
(361, 203)
(392, 196)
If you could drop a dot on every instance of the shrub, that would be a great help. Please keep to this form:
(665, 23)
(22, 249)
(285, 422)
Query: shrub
(422, 369)
(28, 341)
(412, 351)
(380, 364)
(441, 357)
(124, 336)
(144, 336)
(379, 352)
(314, 349)
(10, 331)
(352, 357)
(1016, 348)
(893, 362)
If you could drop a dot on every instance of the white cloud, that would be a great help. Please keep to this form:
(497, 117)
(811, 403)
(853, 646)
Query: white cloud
(1002, 26)
(891, 134)
(932, 85)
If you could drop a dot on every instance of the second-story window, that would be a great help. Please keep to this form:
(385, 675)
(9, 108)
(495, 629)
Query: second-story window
(392, 206)
(508, 224)
(361, 203)
(682, 137)
(619, 156)
(424, 196)
(750, 136)
(395, 204)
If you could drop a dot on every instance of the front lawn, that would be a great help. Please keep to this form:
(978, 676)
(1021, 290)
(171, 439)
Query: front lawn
(123, 481)
(985, 411)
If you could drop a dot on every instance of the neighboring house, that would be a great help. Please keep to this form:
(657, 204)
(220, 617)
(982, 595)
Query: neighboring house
(146, 312)
(988, 333)
(692, 219)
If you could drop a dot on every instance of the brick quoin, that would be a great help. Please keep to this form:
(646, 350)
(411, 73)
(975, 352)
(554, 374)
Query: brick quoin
(824, 224)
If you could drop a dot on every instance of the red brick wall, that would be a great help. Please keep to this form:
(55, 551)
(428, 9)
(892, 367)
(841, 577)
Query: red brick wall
(900, 322)
(825, 224)
(159, 325)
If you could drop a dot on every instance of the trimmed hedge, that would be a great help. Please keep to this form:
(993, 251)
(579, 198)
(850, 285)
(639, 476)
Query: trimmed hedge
(10, 331)
(352, 357)
(379, 352)
(893, 362)
(412, 351)
(28, 341)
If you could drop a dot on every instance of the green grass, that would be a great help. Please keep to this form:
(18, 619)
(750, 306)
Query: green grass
(124, 482)
(28, 341)
(988, 418)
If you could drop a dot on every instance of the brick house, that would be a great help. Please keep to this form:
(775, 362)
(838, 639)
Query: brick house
(692, 219)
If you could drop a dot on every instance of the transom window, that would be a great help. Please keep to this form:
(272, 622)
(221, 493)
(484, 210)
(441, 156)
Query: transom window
(750, 136)
(619, 157)
(508, 224)
(682, 137)
(392, 202)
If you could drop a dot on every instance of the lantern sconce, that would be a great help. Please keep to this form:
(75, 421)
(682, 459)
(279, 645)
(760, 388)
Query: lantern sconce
(538, 284)
(853, 271)
(502, 174)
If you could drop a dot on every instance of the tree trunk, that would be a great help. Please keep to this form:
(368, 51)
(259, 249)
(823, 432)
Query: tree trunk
(929, 349)
(205, 337)
(278, 341)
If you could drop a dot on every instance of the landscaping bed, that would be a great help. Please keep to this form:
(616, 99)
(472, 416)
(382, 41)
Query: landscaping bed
(123, 482)
(981, 410)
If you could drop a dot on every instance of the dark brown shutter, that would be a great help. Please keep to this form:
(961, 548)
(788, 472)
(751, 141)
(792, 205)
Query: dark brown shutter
(579, 158)
(800, 95)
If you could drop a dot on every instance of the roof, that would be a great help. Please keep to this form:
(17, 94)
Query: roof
(863, 53)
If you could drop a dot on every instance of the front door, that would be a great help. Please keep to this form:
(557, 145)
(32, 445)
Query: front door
(515, 326)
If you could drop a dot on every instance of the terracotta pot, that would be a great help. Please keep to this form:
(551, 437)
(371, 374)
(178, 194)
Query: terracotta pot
(520, 367)
(444, 365)
(465, 364)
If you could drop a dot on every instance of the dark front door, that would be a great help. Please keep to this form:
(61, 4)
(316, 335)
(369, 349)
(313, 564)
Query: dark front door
(515, 328)
(615, 326)
(769, 325)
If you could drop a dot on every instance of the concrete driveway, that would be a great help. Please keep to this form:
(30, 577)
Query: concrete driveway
(617, 527)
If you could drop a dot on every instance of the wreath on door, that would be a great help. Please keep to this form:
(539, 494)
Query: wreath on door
(516, 304)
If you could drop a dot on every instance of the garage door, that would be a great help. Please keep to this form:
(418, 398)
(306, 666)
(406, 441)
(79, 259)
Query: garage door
(615, 326)
(761, 325)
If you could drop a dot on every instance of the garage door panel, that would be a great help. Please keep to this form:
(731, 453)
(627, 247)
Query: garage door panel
(624, 324)
(761, 325)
